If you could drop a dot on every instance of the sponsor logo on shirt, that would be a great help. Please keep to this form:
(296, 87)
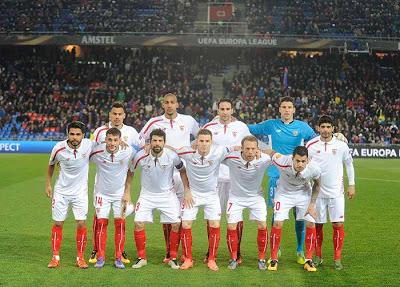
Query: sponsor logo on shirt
(182, 128)
(234, 134)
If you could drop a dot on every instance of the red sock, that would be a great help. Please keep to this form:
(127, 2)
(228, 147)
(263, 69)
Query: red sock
(119, 237)
(232, 242)
(94, 239)
(140, 241)
(56, 238)
(186, 237)
(338, 238)
(239, 230)
(275, 241)
(167, 230)
(81, 239)
(262, 242)
(101, 236)
(213, 242)
(319, 228)
(310, 242)
(173, 244)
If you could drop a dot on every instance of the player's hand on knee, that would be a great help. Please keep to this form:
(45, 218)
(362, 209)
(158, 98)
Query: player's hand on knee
(311, 211)
(126, 199)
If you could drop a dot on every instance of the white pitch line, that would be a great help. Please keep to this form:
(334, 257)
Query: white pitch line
(378, 179)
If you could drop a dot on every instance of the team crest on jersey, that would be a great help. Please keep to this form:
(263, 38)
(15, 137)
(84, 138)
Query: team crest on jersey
(334, 151)
(210, 162)
(104, 161)
(215, 133)
(182, 128)
(318, 151)
(84, 155)
(295, 133)
(234, 134)
(125, 138)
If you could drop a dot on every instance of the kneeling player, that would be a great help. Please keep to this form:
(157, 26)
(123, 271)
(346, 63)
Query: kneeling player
(157, 192)
(112, 164)
(294, 191)
(246, 177)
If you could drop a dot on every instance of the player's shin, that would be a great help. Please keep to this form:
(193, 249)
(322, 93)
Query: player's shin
(239, 230)
(140, 241)
(310, 242)
(319, 228)
(232, 242)
(101, 236)
(119, 237)
(167, 231)
(94, 232)
(186, 239)
(81, 239)
(213, 242)
(300, 233)
(262, 242)
(56, 239)
(174, 244)
(338, 239)
(275, 241)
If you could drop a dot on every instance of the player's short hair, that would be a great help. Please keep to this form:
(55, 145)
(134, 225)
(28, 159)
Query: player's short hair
(118, 105)
(77, 125)
(204, 132)
(171, 93)
(249, 139)
(158, 133)
(225, 100)
(286, 99)
(301, 151)
(325, 120)
(113, 132)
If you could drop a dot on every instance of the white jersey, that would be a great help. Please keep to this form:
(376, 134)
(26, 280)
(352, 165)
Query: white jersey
(111, 170)
(74, 167)
(128, 134)
(330, 156)
(291, 181)
(246, 177)
(157, 173)
(227, 135)
(203, 171)
(177, 131)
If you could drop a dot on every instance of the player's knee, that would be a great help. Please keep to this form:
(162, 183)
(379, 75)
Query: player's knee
(261, 224)
(175, 226)
(278, 224)
(186, 224)
(337, 224)
(81, 223)
(310, 224)
(139, 225)
(232, 226)
(59, 223)
(213, 223)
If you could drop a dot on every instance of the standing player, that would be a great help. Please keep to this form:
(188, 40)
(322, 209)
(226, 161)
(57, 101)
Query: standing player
(131, 137)
(157, 192)
(247, 173)
(294, 191)
(71, 188)
(178, 128)
(227, 132)
(202, 166)
(111, 168)
(331, 154)
(285, 134)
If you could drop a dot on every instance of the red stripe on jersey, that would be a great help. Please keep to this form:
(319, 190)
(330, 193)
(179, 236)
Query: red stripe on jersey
(146, 155)
(57, 151)
(311, 143)
(209, 125)
(101, 130)
(93, 153)
(233, 157)
(186, 152)
(283, 166)
(150, 124)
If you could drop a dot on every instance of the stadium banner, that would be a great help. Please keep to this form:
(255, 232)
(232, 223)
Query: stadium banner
(222, 12)
(193, 40)
(26, 146)
(375, 151)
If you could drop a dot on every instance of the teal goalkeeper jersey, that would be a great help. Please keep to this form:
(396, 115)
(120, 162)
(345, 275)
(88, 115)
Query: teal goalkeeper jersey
(283, 138)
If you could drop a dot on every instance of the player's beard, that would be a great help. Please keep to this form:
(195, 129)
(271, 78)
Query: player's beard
(74, 143)
(156, 149)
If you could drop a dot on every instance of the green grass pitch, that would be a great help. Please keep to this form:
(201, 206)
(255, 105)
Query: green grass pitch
(371, 254)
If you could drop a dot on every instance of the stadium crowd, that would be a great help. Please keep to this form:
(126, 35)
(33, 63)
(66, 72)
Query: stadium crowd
(360, 92)
(97, 16)
(40, 93)
(334, 18)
